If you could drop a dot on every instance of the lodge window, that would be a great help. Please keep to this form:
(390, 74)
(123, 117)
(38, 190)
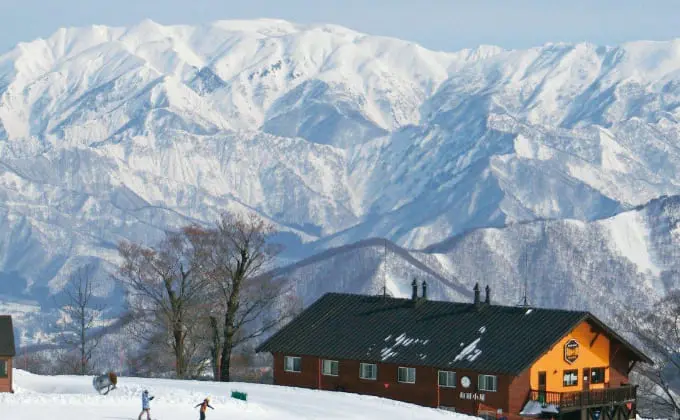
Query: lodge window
(368, 371)
(447, 379)
(597, 375)
(406, 375)
(570, 378)
(330, 367)
(487, 383)
(292, 364)
(3, 368)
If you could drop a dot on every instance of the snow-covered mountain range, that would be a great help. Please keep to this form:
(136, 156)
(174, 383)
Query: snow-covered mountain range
(336, 137)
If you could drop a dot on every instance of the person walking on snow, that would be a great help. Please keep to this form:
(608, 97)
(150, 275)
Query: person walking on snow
(204, 407)
(145, 405)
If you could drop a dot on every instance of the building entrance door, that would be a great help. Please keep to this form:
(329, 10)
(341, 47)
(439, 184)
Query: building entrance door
(541, 387)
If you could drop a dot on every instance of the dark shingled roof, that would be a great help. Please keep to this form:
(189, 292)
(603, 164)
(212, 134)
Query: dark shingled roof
(6, 336)
(446, 335)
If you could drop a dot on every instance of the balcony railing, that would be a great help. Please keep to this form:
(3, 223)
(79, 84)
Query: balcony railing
(592, 398)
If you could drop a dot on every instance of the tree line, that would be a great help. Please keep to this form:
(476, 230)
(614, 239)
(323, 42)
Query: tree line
(657, 331)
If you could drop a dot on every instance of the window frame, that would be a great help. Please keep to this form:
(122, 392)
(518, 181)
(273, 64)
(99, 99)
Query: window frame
(331, 364)
(604, 375)
(481, 384)
(4, 368)
(448, 373)
(564, 375)
(293, 358)
(408, 370)
(375, 371)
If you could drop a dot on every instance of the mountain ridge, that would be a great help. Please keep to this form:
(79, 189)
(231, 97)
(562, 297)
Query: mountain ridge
(605, 267)
(331, 135)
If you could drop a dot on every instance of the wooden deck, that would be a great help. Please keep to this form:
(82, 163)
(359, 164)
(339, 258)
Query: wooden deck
(569, 401)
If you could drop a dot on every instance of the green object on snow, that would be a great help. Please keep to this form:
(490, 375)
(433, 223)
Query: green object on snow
(239, 395)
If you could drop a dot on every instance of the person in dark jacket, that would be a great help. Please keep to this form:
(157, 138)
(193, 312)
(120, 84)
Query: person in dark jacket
(204, 407)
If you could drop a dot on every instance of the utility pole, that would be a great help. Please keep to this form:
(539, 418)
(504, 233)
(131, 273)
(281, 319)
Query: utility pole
(525, 299)
(385, 269)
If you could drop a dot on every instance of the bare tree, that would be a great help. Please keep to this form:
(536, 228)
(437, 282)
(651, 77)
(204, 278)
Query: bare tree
(658, 330)
(215, 345)
(167, 290)
(81, 315)
(237, 255)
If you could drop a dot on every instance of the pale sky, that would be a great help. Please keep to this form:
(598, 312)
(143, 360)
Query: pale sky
(436, 24)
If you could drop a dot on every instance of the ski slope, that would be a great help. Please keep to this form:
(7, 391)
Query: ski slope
(72, 397)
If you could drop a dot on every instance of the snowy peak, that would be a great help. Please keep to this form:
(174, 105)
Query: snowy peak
(257, 62)
(334, 136)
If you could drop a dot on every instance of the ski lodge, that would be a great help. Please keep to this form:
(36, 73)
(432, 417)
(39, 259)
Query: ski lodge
(496, 362)
(7, 352)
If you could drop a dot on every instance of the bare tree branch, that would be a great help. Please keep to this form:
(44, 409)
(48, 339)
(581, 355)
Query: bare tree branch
(81, 315)
(166, 288)
(658, 331)
(235, 255)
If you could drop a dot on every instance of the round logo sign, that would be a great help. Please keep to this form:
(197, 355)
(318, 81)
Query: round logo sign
(465, 381)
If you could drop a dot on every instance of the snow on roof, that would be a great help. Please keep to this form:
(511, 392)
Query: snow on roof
(470, 352)
(535, 408)
(528, 311)
(390, 330)
(401, 340)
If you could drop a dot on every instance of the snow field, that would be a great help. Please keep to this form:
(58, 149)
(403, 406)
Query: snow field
(72, 397)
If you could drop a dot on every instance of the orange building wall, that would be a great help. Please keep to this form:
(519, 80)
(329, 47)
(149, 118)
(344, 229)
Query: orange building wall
(554, 365)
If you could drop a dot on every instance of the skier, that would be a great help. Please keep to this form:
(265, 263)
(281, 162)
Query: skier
(204, 407)
(145, 405)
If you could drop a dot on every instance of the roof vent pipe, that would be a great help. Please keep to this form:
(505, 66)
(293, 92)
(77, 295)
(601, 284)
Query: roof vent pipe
(414, 285)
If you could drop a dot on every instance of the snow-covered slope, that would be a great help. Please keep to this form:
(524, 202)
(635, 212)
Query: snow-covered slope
(628, 260)
(333, 135)
(72, 397)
